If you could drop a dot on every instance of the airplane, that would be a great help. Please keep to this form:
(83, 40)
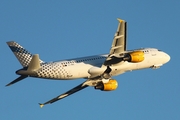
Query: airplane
(98, 70)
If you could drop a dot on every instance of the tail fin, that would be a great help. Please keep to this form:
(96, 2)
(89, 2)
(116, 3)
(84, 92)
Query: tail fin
(21, 54)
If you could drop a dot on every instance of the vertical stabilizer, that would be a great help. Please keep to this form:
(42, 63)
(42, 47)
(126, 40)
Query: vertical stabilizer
(21, 54)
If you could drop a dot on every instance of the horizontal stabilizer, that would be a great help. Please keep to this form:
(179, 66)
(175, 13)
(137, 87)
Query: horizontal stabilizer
(17, 79)
(34, 64)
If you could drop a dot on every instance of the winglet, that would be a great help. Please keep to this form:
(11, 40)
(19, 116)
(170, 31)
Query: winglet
(120, 20)
(41, 105)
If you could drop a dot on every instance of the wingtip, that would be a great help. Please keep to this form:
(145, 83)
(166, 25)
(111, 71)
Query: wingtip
(8, 84)
(120, 20)
(41, 105)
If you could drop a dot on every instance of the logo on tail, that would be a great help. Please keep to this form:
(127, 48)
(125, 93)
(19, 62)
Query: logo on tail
(21, 54)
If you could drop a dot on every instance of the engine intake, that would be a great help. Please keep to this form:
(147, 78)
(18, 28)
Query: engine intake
(136, 56)
(109, 86)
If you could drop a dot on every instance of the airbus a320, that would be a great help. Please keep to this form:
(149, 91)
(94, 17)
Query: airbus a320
(97, 70)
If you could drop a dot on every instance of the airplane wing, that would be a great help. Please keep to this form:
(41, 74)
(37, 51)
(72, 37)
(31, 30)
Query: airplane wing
(73, 90)
(118, 47)
(119, 42)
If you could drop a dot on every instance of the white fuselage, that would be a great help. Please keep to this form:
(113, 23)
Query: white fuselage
(80, 67)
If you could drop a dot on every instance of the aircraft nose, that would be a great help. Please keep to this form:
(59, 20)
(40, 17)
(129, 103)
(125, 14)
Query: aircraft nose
(167, 57)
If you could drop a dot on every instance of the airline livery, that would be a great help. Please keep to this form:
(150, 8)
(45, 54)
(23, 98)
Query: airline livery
(98, 70)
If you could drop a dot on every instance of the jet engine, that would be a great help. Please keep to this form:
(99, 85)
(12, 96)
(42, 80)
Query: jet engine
(109, 86)
(136, 56)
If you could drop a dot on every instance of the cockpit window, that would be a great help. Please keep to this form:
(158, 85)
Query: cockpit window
(159, 50)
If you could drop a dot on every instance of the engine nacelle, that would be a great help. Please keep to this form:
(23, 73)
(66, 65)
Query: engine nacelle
(136, 56)
(109, 86)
